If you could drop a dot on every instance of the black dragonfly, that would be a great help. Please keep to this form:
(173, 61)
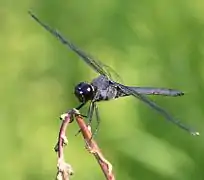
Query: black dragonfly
(103, 88)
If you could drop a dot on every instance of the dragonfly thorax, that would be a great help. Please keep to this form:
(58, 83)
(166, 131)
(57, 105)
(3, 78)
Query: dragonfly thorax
(84, 92)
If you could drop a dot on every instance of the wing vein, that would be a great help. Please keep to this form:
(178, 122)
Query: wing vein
(90, 61)
(156, 107)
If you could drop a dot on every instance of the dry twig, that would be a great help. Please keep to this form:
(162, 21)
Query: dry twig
(64, 169)
(93, 148)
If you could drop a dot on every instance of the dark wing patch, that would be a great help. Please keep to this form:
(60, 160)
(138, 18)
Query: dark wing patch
(152, 104)
(96, 65)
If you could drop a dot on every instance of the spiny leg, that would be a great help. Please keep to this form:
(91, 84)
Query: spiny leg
(97, 119)
(89, 115)
(80, 106)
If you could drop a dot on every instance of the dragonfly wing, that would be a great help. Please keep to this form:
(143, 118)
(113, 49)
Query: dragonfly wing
(157, 91)
(152, 104)
(88, 59)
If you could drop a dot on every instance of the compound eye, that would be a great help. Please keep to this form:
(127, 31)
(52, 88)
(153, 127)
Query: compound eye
(84, 92)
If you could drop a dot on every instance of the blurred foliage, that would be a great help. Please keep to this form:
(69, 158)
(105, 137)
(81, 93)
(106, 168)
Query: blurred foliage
(149, 43)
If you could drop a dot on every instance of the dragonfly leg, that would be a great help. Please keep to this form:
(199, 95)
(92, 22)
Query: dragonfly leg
(80, 106)
(89, 116)
(93, 108)
(97, 119)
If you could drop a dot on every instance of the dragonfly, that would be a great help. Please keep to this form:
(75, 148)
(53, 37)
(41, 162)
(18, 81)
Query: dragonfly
(104, 88)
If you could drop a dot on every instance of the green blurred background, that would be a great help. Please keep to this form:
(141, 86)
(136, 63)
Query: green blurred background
(149, 43)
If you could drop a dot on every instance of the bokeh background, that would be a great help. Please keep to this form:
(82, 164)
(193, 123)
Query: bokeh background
(149, 43)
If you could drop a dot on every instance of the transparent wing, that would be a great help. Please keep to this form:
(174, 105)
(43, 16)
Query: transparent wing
(96, 65)
(150, 103)
(157, 91)
(112, 73)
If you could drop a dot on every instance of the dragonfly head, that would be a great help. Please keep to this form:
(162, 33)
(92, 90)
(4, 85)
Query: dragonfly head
(84, 92)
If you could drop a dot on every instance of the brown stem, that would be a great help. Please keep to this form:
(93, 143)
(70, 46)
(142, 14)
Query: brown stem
(94, 149)
(64, 169)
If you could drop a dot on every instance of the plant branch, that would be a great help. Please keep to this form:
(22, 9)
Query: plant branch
(93, 148)
(64, 169)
